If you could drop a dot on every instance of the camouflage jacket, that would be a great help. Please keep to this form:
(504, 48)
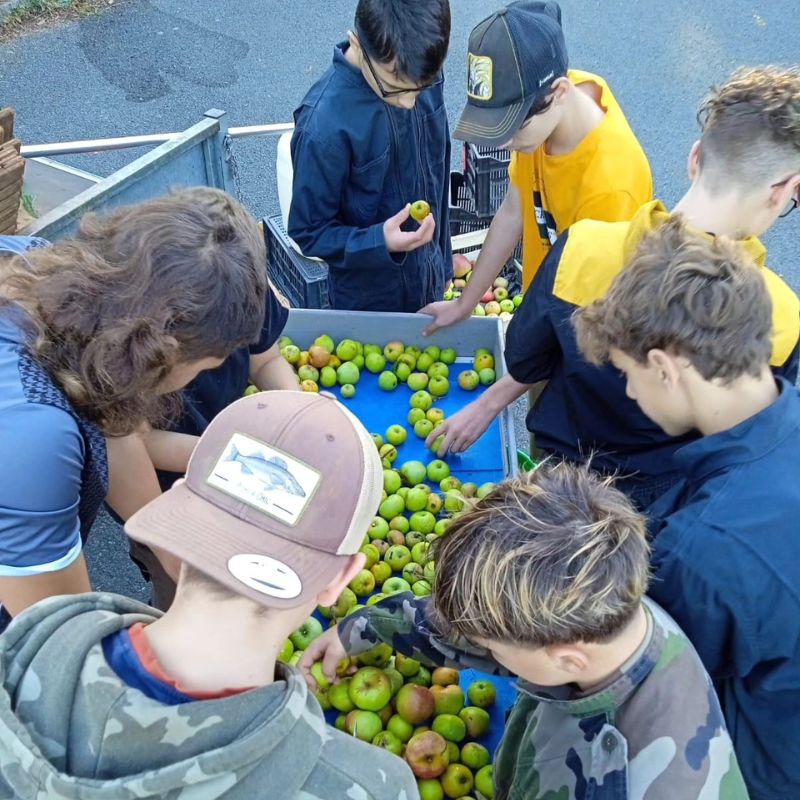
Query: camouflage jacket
(70, 729)
(654, 731)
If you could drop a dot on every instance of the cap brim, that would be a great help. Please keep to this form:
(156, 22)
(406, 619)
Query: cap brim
(207, 538)
(491, 127)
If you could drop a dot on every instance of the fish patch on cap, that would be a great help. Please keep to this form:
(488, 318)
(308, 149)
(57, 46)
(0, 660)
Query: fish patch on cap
(267, 479)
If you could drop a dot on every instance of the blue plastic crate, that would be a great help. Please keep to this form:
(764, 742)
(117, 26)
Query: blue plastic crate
(302, 281)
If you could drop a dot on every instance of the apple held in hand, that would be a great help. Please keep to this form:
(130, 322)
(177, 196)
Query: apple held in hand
(419, 210)
(426, 754)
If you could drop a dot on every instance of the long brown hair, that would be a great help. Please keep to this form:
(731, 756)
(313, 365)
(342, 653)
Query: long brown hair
(135, 293)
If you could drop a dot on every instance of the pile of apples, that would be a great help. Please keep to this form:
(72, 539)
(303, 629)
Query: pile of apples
(326, 364)
(495, 302)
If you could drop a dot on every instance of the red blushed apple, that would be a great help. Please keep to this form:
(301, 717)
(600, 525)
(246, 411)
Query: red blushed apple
(426, 754)
(461, 265)
(488, 297)
(415, 703)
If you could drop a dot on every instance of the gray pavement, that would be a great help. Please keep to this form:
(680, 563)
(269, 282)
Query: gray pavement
(144, 67)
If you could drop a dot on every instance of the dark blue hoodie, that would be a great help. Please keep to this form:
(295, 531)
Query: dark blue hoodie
(357, 162)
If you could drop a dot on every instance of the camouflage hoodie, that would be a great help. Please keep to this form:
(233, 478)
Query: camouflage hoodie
(654, 731)
(70, 729)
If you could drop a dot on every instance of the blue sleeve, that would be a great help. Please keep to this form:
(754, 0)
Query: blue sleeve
(320, 175)
(274, 323)
(789, 368)
(40, 486)
(532, 348)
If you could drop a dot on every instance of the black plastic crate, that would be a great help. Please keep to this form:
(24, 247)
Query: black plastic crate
(302, 281)
(486, 177)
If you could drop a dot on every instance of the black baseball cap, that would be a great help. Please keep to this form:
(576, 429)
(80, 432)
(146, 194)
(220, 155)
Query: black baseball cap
(514, 57)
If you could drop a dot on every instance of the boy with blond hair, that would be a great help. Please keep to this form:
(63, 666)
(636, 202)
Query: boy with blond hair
(544, 578)
(689, 324)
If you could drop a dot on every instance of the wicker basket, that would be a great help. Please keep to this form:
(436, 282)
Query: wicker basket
(12, 167)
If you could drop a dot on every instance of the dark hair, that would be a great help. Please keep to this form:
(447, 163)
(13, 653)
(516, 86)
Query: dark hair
(540, 106)
(556, 556)
(135, 293)
(197, 579)
(414, 34)
(688, 294)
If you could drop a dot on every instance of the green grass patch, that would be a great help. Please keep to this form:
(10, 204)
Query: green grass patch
(31, 14)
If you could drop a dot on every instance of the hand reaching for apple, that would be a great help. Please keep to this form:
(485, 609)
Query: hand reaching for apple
(400, 241)
(461, 430)
(326, 648)
(444, 313)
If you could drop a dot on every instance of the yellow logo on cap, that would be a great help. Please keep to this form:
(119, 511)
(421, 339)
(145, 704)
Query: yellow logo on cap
(479, 77)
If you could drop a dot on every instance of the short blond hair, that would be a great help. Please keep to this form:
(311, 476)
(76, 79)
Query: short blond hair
(556, 556)
(751, 127)
(688, 294)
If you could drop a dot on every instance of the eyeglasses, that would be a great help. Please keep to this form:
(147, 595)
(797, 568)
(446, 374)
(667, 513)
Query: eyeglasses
(794, 201)
(397, 92)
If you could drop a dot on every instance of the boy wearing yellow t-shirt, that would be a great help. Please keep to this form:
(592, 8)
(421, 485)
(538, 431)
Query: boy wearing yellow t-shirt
(574, 154)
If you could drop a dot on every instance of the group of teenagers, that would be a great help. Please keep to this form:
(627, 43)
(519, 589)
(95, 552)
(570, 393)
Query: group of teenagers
(642, 584)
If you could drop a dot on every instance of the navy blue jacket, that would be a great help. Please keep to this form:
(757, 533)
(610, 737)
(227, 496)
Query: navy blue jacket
(357, 161)
(584, 409)
(726, 561)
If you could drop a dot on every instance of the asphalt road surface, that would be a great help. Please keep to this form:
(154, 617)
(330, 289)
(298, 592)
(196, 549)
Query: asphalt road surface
(145, 67)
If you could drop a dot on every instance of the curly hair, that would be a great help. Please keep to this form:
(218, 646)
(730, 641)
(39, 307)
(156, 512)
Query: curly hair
(751, 125)
(688, 294)
(112, 311)
(556, 556)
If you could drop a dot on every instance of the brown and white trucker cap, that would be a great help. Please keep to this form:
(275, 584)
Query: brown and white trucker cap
(278, 494)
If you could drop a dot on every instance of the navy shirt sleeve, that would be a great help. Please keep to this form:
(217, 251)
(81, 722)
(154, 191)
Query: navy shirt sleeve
(274, 323)
(40, 486)
(532, 347)
(321, 173)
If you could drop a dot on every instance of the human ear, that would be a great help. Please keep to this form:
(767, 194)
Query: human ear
(354, 43)
(783, 193)
(329, 595)
(693, 162)
(568, 659)
(560, 88)
(665, 366)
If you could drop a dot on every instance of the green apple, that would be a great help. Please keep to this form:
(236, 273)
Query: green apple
(392, 506)
(319, 675)
(434, 504)
(417, 381)
(474, 755)
(449, 700)
(453, 753)
(422, 678)
(416, 499)
(453, 501)
(430, 789)
(501, 294)
(478, 311)
(413, 538)
(375, 362)
(487, 376)
(378, 439)
(285, 653)
(347, 373)
(363, 584)
(425, 362)
(433, 351)
(449, 483)
(371, 553)
(399, 727)
(396, 434)
(295, 657)
(325, 342)
(483, 490)
(423, 428)
(406, 666)
(476, 719)
(308, 631)
(370, 689)
(381, 571)
(376, 598)
(438, 386)
(420, 553)
(344, 603)
(457, 780)
(468, 380)
(429, 570)
(413, 472)
(327, 377)
(409, 359)
(438, 370)
(484, 782)
(364, 725)
(395, 678)
(414, 416)
(468, 489)
(435, 415)
(507, 305)
(348, 391)
(378, 528)
(285, 341)
(421, 400)
(421, 588)
(400, 524)
(386, 740)
(347, 350)
(372, 348)
(483, 359)
(391, 481)
(442, 525)
(378, 656)
(393, 350)
(389, 452)
(437, 470)
(395, 585)
(291, 353)
(339, 696)
(449, 726)
(397, 557)
(413, 572)
(402, 371)
(447, 356)
(340, 722)
(517, 299)
(481, 693)
(387, 381)
(422, 522)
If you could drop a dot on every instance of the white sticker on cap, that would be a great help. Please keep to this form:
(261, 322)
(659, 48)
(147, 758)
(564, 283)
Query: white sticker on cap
(266, 575)
(479, 77)
(267, 479)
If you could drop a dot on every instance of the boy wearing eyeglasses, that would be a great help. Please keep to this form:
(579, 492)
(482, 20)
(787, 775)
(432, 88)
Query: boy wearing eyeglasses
(372, 138)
